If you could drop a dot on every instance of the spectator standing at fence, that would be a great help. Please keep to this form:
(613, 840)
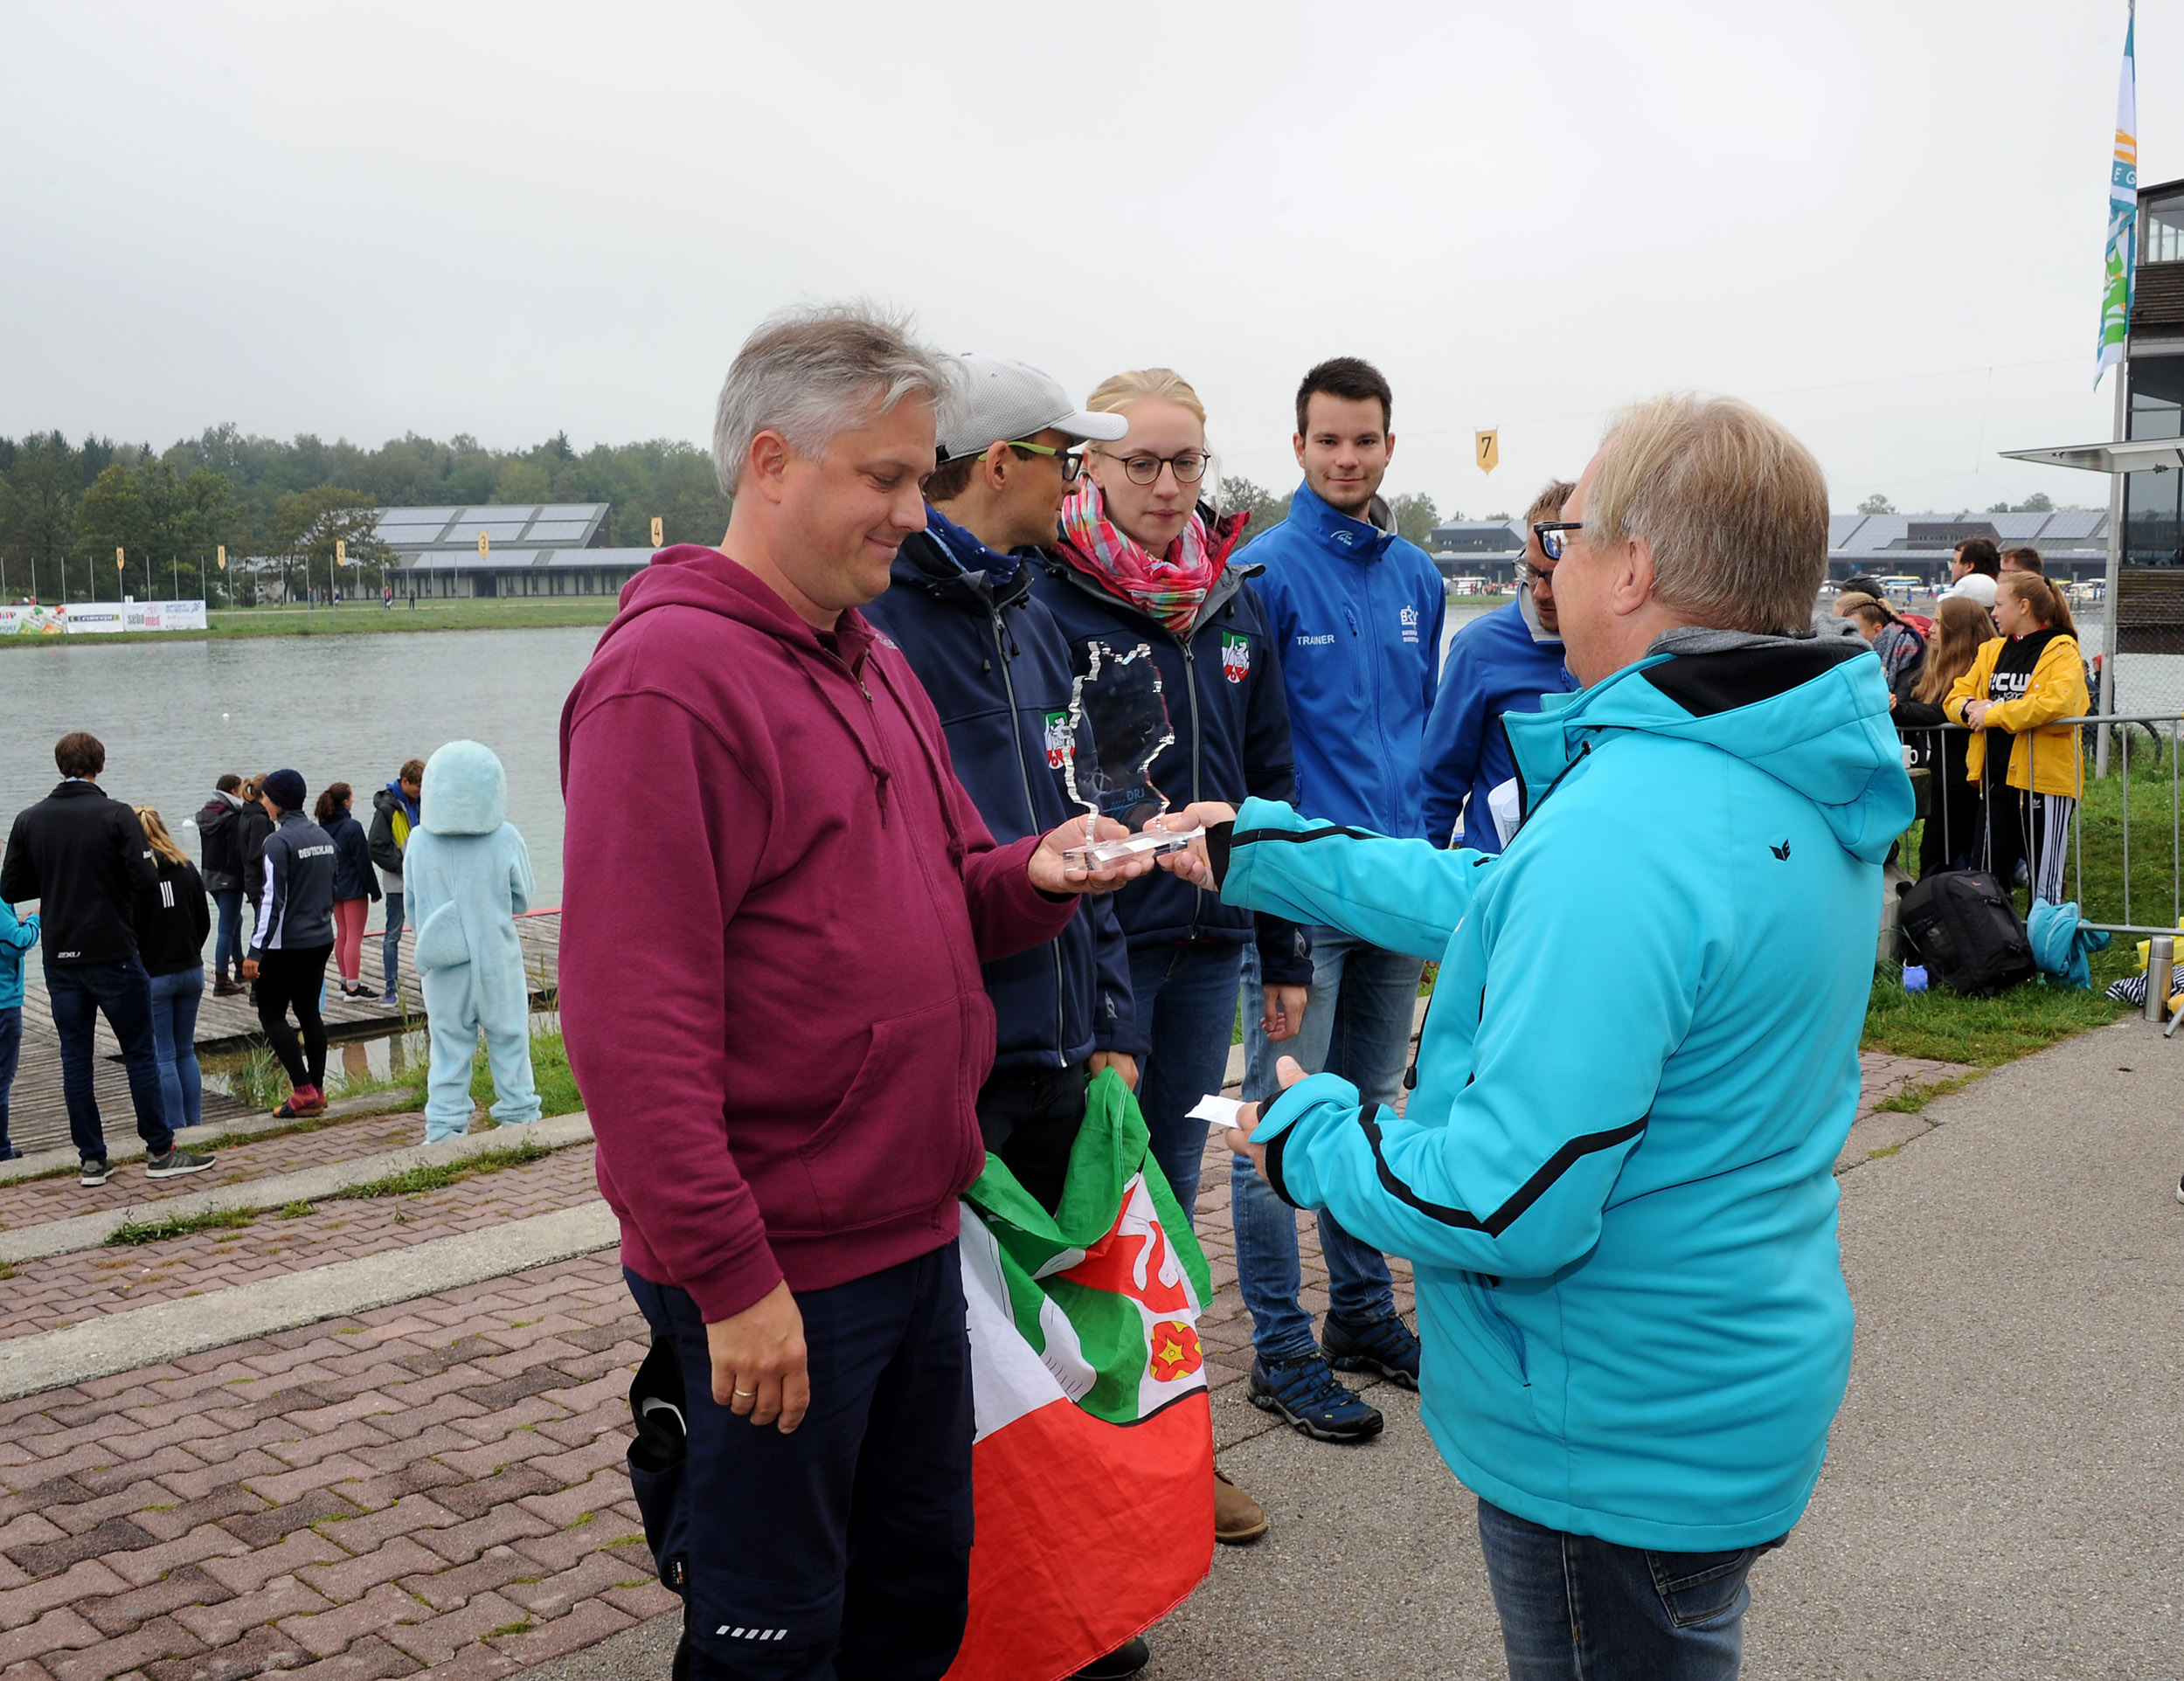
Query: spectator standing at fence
(354, 887)
(1950, 838)
(84, 858)
(292, 940)
(2023, 683)
(218, 828)
(1972, 570)
(1358, 614)
(252, 826)
(172, 925)
(1501, 661)
(17, 935)
(1901, 649)
(394, 815)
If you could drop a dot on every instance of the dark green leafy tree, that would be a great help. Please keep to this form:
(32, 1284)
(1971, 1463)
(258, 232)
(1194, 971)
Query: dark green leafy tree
(326, 539)
(1267, 511)
(1416, 516)
(1876, 504)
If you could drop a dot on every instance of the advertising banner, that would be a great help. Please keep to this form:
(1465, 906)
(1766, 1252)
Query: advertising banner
(31, 621)
(93, 618)
(163, 615)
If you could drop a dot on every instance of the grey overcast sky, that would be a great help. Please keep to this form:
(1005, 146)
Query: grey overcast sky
(1880, 219)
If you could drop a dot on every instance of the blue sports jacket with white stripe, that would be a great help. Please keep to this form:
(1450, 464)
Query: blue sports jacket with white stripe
(1615, 1174)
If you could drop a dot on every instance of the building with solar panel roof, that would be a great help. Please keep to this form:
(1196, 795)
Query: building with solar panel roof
(531, 549)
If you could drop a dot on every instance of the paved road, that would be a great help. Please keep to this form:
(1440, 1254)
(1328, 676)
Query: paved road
(2005, 1493)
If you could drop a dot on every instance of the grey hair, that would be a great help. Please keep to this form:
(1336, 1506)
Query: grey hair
(814, 373)
(1735, 508)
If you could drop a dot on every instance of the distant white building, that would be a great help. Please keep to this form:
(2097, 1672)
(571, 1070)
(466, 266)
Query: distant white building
(532, 549)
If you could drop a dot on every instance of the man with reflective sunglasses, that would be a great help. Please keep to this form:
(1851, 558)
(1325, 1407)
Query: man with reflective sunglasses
(1501, 661)
(997, 668)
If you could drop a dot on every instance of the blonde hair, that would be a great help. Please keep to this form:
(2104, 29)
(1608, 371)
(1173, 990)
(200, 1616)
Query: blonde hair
(1117, 392)
(1734, 509)
(1961, 629)
(155, 834)
(2042, 595)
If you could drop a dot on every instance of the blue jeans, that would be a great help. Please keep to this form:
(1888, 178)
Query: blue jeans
(1186, 1005)
(227, 946)
(175, 1000)
(122, 992)
(865, 1512)
(1356, 1024)
(1573, 1606)
(11, 1049)
(391, 949)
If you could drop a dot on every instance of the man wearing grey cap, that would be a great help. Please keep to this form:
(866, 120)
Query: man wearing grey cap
(998, 671)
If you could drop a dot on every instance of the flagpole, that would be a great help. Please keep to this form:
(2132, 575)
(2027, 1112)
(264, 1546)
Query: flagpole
(2108, 590)
(2115, 352)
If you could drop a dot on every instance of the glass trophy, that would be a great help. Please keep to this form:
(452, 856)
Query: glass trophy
(1118, 724)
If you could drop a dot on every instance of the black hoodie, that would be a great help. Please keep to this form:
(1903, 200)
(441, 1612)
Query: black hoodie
(84, 858)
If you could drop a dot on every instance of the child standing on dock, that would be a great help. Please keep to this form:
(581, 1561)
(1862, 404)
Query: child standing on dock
(15, 939)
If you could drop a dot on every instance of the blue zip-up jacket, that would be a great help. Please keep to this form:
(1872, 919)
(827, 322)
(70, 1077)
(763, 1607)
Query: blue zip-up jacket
(352, 859)
(1357, 613)
(1497, 663)
(15, 939)
(1619, 1198)
(1223, 687)
(997, 670)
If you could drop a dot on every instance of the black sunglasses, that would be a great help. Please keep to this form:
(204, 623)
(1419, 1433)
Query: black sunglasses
(1553, 541)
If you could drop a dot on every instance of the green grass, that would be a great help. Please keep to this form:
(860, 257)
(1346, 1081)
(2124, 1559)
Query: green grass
(368, 617)
(437, 1176)
(1983, 1032)
(131, 1232)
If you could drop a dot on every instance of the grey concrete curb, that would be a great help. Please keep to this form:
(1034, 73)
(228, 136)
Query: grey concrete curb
(166, 1330)
(309, 1185)
(131, 1148)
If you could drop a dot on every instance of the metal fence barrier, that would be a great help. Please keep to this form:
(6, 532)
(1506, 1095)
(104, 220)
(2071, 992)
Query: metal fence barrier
(2160, 734)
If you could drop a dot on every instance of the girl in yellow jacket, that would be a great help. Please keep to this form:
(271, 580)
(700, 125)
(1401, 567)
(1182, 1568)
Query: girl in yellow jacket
(2024, 682)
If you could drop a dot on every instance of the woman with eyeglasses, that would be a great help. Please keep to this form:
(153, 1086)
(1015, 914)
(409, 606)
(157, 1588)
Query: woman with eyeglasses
(1141, 560)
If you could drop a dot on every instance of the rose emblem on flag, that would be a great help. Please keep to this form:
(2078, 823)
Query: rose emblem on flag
(1174, 1349)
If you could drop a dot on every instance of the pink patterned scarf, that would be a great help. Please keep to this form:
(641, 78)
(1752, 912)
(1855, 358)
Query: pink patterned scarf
(1169, 586)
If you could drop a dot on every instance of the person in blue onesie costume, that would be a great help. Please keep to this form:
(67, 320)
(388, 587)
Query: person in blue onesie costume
(466, 875)
(1621, 1201)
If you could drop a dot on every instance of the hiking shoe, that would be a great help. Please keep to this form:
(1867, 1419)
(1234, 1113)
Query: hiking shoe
(1386, 1348)
(304, 1100)
(1127, 1660)
(1306, 1393)
(226, 988)
(176, 1162)
(94, 1172)
(391, 999)
(1238, 1519)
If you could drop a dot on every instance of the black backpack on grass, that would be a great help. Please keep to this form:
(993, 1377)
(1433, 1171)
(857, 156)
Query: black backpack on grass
(1964, 928)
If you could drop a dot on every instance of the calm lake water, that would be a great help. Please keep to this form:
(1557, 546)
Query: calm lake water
(349, 709)
(175, 714)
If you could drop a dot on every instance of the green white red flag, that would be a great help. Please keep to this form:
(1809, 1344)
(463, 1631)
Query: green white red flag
(1093, 1471)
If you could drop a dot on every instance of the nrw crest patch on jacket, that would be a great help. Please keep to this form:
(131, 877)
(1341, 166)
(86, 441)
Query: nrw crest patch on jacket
(1056, 735)
(1236, 657)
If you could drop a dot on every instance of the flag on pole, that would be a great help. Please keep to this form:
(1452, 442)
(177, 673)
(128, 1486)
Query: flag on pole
(2122, 211)
(1091, 1471)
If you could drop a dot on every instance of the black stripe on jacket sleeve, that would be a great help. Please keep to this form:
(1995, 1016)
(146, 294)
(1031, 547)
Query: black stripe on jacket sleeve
(1526, 1194)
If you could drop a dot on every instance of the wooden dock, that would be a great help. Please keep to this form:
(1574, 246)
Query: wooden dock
(38, 1117)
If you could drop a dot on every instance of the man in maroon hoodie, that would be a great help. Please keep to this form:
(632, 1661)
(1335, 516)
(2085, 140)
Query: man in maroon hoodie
(778, 898)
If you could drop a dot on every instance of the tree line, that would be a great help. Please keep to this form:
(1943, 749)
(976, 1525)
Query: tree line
(280, 507)
(283, 509)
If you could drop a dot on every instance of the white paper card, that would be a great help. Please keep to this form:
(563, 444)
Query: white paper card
(1217, 1112)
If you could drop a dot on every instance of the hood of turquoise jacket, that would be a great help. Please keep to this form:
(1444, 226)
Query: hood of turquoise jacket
(1810, 712)
(465, 790)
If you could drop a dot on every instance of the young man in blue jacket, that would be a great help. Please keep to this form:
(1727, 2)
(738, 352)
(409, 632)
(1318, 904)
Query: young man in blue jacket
(959, 606)
(1623, 1216)
(1357, 615)
(1502, 662)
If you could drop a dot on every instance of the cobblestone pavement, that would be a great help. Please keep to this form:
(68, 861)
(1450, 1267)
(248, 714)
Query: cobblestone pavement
(434, 1485)
(31, 1202)
(63, 1290)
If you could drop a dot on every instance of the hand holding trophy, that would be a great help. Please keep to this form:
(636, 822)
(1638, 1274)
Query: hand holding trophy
(1118, 724)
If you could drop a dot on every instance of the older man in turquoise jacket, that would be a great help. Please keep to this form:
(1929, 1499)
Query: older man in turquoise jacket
(1619, 1195)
